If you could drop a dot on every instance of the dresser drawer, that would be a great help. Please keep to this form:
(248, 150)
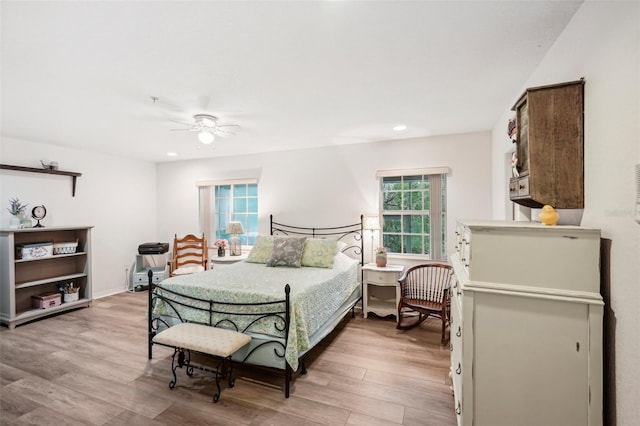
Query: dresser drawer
(381, 278)
(455, 342)
(523, 186)
(514, 191)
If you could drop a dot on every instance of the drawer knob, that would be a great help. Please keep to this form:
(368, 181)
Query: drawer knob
(459, 369)
(458, 409)
(451, 347)
(459, 332)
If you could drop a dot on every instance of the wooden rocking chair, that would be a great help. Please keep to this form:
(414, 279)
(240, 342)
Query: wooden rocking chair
(425, 290)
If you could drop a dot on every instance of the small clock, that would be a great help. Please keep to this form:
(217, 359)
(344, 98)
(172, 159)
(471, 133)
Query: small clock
(38, 213)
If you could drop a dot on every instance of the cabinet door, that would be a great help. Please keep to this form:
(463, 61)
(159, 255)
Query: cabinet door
(530, 362)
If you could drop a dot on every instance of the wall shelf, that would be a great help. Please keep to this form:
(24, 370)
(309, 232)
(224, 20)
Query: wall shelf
(73, 175)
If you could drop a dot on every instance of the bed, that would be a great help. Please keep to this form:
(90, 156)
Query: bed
(286, 310)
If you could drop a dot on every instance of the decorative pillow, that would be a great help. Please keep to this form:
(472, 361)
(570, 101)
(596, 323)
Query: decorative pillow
(341, 245)
(319, 252)
(262, 249)
(287, 251)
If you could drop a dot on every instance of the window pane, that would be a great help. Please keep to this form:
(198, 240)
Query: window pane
(391, 183)
(252, 190)
(412, 224)
(222, 205)
(392, 200)
(413, 182)
(392, 242)
(427, 225)
(239, 190)
(412, 244)
(239, 205)
(427, 244)
(252, 205)
(223, 191)
(416, 200)
(427, 200)
(392, 223)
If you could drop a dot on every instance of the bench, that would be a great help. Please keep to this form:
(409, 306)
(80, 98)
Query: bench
(217, 342)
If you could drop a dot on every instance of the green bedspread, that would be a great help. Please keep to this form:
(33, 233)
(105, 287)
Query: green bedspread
(316, 293)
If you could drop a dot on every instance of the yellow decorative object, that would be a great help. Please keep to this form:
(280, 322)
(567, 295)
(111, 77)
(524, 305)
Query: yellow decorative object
(549, 216)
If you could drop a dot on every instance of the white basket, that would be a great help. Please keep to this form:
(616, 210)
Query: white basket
(71, 297)
(65, 248)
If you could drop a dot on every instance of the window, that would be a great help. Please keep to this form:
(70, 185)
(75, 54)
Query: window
(222, 202)
(413, 211)
(237, 202)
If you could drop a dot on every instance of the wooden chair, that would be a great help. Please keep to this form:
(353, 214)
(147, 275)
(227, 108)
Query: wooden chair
(425, 289)
(190, 255)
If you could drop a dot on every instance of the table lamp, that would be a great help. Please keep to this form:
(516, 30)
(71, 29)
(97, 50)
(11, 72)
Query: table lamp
(371, 223)
(235, 228)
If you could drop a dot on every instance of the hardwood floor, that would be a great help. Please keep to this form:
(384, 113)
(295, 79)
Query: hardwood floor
(90, 366)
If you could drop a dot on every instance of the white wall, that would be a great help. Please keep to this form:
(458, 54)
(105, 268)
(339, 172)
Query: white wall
(602, 44)
(116, 195)
(330, 186)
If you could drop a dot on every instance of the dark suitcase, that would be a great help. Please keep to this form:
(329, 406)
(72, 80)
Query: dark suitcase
(153, 248)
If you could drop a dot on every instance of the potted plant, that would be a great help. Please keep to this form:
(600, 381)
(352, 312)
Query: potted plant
(222, 245)
(17, 210)
(381, 257)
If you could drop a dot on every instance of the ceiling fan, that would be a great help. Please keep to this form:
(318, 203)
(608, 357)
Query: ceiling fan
(207, 127)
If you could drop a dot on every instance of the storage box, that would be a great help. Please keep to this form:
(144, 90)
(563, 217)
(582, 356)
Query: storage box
(34, 250)
(65, 248)
(45, 301)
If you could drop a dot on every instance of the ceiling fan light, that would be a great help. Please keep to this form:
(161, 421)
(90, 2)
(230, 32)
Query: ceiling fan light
(208, 122)
(206, 137)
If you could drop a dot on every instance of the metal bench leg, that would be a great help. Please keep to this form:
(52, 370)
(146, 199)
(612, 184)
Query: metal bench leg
(224, 368)
(181, 362)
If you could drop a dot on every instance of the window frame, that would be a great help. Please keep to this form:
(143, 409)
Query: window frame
(436, 178)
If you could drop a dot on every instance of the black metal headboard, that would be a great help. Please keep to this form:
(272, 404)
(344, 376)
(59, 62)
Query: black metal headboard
(350, 234)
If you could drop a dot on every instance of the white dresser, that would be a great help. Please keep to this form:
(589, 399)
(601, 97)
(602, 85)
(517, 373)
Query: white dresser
(526, 325)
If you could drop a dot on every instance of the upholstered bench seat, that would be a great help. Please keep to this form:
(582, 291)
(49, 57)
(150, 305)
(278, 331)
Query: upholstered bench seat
(217, 342)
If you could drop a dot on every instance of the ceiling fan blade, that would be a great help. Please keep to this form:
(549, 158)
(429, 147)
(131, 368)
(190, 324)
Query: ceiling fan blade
(166, 104)
(224, 132)
(181, 123)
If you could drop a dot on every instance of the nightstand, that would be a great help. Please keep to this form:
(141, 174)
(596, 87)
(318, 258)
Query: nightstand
(217, 261)
(381, 289)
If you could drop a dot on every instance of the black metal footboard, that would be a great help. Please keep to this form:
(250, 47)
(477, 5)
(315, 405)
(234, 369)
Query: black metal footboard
(169, 307)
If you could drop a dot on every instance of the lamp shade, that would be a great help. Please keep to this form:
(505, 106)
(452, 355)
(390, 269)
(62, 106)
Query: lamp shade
(371, 223)
(234, 228)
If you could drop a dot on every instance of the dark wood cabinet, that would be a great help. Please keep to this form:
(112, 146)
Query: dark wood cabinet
(550, 147)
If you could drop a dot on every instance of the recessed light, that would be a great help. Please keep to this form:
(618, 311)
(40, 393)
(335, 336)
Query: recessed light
(172, 154)
(400, 128)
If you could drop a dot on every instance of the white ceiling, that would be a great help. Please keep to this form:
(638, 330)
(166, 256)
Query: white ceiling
(291, 74)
